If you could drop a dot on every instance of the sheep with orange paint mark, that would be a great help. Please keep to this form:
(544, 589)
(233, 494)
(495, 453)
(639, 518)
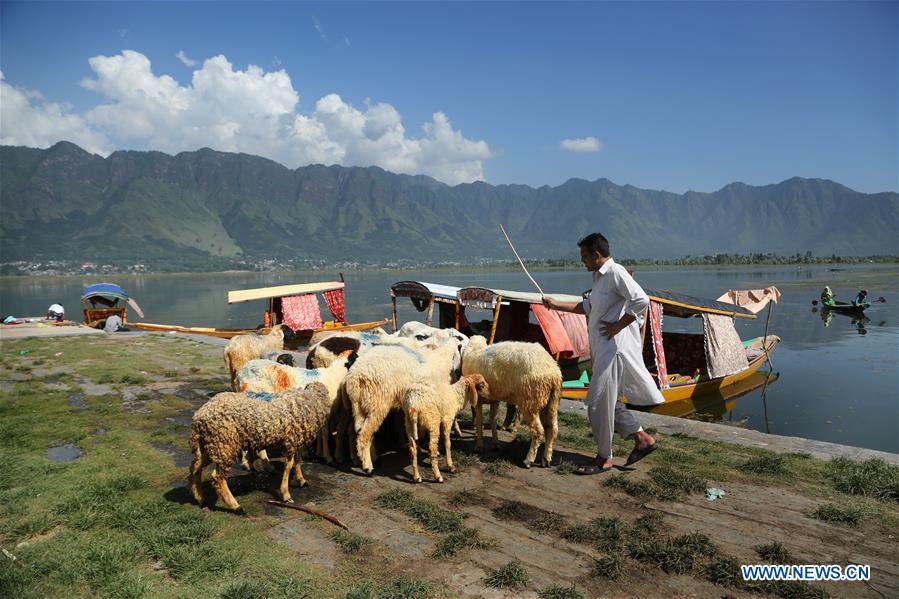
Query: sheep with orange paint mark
(266, 376)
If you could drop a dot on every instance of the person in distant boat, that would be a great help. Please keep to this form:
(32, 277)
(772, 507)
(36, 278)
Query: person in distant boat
(56, 312)
(615, 310)
(860, 298)
(827, 297)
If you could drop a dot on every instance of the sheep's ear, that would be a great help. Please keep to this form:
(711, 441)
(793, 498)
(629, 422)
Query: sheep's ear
(471, 391)
(351, 358)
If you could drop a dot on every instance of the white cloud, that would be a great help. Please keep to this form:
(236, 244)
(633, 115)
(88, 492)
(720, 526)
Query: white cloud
(581, 145)
(234, 110)
(26, 119)
(188, 62)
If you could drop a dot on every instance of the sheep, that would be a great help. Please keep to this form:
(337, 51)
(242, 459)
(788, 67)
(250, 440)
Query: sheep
(435, 406)
(322, 335)
(523, 375)
(243, 348)
(231, 422)
(265, 376)
(324, 352)
(423, 332)
(378, 382)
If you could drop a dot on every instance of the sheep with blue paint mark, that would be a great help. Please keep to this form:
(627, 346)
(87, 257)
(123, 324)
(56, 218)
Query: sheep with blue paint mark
(243, 348)
(260, 376)
(233, 422)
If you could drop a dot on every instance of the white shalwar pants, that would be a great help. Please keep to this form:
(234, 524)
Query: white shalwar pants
(607, 414)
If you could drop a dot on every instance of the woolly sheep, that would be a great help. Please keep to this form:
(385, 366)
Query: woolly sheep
(523, 375)
(231, 422)
(434, 406)
(243, 348)
(324, 352)
(265, 376)
(378, 381)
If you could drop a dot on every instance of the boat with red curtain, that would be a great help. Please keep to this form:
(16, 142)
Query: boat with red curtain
(296, 306)
(688, 365)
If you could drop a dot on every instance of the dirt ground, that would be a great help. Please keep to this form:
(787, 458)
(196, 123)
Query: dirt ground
(546, 504)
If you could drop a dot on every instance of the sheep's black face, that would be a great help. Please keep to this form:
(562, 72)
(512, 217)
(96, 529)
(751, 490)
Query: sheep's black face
(310, 357)
(289, 335)
(285, 359)
(350, 359)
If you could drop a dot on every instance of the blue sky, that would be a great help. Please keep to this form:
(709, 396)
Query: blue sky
(674, 96)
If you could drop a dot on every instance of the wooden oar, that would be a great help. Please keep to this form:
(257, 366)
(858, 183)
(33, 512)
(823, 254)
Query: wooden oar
(503, 229)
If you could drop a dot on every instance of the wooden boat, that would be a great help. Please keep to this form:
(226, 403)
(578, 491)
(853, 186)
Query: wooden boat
(228, 333)
(102, 300)
(277, 299)
(683, 388)
(846, 308)
(718, 403)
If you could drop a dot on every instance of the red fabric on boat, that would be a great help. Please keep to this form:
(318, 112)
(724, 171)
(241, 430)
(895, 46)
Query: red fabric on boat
(554, 331)
(576, 327)
(301, 312)
(335, 301)
(655, 328)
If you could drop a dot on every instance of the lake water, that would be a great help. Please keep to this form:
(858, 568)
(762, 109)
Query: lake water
(839, 380)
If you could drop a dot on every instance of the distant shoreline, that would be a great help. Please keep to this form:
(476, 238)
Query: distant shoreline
(573, 267)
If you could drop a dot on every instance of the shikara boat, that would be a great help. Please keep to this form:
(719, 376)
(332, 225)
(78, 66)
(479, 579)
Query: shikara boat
(102, 300)
(293, 305)
(682, 364)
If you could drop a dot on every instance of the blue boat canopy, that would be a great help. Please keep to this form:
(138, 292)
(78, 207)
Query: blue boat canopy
(104, 289)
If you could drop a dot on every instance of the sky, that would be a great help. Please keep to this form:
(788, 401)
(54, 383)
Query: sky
(660, 95)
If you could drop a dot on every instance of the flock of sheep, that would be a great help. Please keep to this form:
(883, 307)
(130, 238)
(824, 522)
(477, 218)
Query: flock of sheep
(349, 385)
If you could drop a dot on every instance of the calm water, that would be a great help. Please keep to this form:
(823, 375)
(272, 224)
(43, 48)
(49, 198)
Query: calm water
(837, 383)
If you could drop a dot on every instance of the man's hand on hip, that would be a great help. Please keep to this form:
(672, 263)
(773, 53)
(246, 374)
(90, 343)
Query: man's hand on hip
(610, 329)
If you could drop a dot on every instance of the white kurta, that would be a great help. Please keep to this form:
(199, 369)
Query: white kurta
(614, 294)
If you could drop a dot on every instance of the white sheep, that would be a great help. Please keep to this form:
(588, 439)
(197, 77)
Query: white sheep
(324, 352)
(243, 348)
(233, 422)
(434, 406)
(378, 381)
(523, 375)
(265, 376)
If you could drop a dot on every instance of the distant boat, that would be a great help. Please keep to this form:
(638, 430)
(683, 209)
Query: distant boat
(846, 308)
(102, 300)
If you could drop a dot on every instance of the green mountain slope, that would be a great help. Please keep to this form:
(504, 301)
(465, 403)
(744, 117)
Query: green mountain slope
(64, 203)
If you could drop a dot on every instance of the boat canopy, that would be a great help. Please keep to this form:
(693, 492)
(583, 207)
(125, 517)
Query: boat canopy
(678, 304)
(486, 298)
(105, 290)
(245, 295)
(421, 290)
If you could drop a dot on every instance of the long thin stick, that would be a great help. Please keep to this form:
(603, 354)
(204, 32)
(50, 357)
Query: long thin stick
(501, 228)
(309, 510)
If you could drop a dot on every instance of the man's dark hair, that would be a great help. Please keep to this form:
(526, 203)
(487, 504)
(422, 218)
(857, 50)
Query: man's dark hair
(595, 242)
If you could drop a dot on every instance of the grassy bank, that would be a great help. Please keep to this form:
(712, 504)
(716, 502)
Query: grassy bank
(118, 522)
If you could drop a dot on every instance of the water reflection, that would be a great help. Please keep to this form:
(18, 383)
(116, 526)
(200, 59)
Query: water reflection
(718, 405)
(859, 321)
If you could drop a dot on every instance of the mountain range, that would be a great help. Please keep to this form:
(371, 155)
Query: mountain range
(65, 203)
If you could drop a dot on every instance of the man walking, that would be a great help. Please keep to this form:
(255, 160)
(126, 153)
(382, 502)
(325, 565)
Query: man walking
(615, 310)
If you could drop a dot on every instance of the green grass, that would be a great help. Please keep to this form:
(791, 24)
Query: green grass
(466, 497)
(611, 566)
(460, 540)
(560, 592)
(497, 467)
(511, 576)
(871, 478)
(509, 510)
(774, 552)
(430, 515)
(566, 467)
(349, 543)
(665, 483)
(766, 465)
(403, 587)
(830, 512)
(725, 571)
